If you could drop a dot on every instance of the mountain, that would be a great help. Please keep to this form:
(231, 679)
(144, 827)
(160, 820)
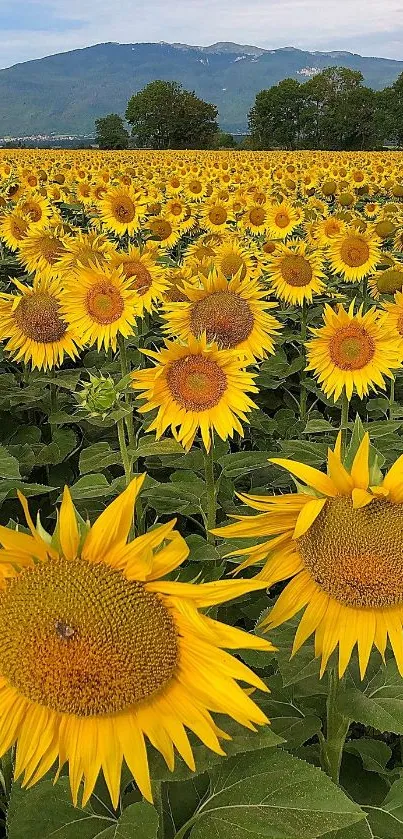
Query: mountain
(65, 93)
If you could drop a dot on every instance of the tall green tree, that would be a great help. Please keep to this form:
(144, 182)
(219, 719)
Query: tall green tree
(338, 111)
(390, 112)
(275, 119)
(166, 116)
(111, 132)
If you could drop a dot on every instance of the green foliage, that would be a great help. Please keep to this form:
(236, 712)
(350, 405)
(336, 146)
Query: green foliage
(111, 132)
(332, 110)
(166, 116)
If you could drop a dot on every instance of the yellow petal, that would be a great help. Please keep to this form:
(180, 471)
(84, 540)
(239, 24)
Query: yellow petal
(307, 516)
(339, 475)
(360, 467)
(68, 528)
(208, 594)
(312, 477)
(113, 525)
(361, 498)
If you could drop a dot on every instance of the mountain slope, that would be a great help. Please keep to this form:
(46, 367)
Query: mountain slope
(65, 93)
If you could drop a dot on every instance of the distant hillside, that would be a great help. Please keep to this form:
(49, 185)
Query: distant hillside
(65, 93)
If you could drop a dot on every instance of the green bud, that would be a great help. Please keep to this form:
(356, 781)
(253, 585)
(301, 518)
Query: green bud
(98, 396)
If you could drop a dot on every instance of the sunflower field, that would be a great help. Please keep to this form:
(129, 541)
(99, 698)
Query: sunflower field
(201, 491)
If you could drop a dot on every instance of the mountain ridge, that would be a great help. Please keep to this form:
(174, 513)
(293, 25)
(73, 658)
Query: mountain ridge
(66, 92)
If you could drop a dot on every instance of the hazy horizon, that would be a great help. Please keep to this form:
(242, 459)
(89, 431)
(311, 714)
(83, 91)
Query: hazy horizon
(31, 29)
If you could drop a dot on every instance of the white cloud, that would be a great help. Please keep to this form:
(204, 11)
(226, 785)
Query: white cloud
(368, 26)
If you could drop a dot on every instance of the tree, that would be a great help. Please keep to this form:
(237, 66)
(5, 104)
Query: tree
(166, 116)
(390, 112)
(111, 132)
(275, 119)
(224, 140)
(338, 111)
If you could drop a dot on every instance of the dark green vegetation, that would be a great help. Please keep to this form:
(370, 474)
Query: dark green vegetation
(166, 116)
(111, 132)
(333, 110)
(65, 93)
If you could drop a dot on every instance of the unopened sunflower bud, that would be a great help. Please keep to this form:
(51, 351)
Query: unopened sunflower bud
(98, 396)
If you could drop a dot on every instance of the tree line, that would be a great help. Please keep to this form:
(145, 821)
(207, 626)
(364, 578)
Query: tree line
(332, 110)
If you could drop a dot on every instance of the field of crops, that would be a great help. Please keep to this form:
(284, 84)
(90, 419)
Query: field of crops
(201, 495)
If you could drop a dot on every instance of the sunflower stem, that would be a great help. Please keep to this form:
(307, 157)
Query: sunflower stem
(345, 404)
(303, 392)
(125, 369)
(211, 493)
(123, 451)
(183, 832)
(391, 398)
(337, 726)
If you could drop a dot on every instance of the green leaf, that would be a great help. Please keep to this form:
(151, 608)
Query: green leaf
(274, 795)
(318, 426)
(239, 463)
(91, 486)
(378, 704)
(201, 551)
(361, 830)
(387, 821)
(313, 454)
(375, 754)
(149, 447)
(98, 456)
(9, 467)
(47, 812)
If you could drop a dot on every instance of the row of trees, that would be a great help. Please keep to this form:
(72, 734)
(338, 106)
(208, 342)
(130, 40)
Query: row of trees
(332, 110)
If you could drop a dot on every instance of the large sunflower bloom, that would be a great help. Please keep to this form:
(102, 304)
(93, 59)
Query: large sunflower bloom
(295, 272)
(353, 352)
(120, 210)
(388, 281)
(282, 219)
(14, 227)
(354, 255)
(339, 542)
(99, 304)
(195, 386)
(32, 325)
(97, 652)
(394, 319)
(42, 250)
(234, 257)
(234, 314)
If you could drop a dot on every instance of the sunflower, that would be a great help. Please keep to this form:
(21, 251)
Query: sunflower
(120, 210)
(282, 219)
(164, 232)
(177, 279)
(32, 325)
(234, 314)
(42, 250)
(215, 216)
(295, 272)
(194, 386)
(98, 652)
(388, 281)
(352, 352)
(235, 257)
(14, 227)
(328, 228)
(354, 255)
(37, 209)
(340, 541)
(146, 278)
(99, 304)
(255, 218)
(394, 320)
(175, 209)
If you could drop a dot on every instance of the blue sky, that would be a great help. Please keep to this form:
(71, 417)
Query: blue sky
(35, 28)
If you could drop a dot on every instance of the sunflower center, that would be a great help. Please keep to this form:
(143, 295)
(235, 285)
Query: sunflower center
(79, 638)
(176, 208)
(296, 270)
(230, 265)
(104, 303)
(196, 383)
(19, 228)
(32, 210)
(124, 210)
(354, 252)
(37, 315)
(389, 281)
(142, 279)
(351, 347)
(224, 317)
(257, 216)
(161, 228)
(282, 219)
(218, 215)
(51, 249)
(356, 556)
